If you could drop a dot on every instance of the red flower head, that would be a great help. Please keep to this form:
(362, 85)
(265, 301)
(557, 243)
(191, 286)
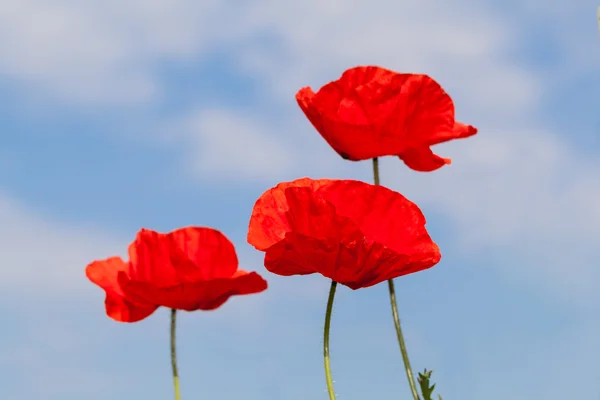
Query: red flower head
(188, 269)
(373, 112)
(349, 231)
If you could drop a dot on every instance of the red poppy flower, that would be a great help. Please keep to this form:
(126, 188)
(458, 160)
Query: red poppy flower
(373, 112)
(349, 231)
(188, 269)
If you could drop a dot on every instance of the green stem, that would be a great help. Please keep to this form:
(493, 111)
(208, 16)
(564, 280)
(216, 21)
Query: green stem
(376, 171)
(409, 373)
(328, 377)
(174, 355)
(407, 367)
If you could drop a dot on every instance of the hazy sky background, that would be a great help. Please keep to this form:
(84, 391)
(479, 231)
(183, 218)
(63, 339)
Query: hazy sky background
(117, 115)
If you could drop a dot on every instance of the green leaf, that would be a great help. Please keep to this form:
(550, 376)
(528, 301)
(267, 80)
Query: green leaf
(424, 382)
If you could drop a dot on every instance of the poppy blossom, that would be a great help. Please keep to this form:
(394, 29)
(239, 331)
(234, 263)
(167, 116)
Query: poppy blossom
(352, 232)
(373, 112)
(189, 269)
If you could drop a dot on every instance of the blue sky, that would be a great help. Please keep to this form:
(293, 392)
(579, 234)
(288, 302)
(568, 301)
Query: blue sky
(160, 114)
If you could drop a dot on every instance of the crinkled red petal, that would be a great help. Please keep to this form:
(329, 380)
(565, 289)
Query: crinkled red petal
(201, 295)
(184, 255)
(357, 264)
(118, 306)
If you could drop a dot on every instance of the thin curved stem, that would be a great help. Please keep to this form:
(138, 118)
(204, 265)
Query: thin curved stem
(409, 373)
(407, 367)
(328, 377)
(174, 355)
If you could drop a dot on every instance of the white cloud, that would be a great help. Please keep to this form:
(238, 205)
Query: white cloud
(40, 257)
(108, 52)
(227, 145)
(87, 52)
(464, 45)
(570, 31)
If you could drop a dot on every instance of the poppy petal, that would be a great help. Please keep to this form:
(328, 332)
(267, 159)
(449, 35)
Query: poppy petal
(150, 259)
(269, 220)
(462, 131)
(210, 253)
(184, 255)
(349, 231)
(381, 214)
(105, 274)
(302, 255)
(306, 100)
(423, 159)
(201, 295)
(373, 112)
(313, 216)
(458, 131)
(357, 264)
(122, 310)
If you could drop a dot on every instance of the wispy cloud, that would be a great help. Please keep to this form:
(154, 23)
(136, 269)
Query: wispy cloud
(224, 144)
(43, 257)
